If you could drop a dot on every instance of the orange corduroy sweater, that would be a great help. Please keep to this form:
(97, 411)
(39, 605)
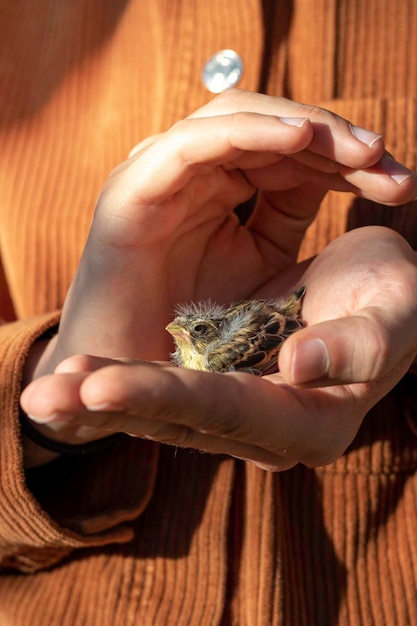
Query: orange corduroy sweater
(144, 535)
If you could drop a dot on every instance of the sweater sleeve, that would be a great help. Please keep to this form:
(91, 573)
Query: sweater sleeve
(73, 502)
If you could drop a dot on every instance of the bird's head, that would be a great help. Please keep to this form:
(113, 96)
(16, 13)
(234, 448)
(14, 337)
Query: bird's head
(195, 330)
(193, 334)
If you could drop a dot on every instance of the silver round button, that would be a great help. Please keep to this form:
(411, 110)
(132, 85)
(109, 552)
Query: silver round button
(222, 71)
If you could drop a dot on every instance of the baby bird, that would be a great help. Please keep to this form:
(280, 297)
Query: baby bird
(244, 336)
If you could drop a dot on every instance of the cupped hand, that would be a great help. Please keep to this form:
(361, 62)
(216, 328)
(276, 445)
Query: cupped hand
(361, 337)
(165, 229)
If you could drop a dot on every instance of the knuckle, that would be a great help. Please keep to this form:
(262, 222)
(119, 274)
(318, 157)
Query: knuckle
(324, 450)
(143, 145)
(240, 123)
(108, 422)
(184, 141)
(319, 114)
(178, 136)
(324, 439)
(171, 434)
(231, 97)
(217, 423)
(275, 466)
(184, 437)
(378, 349)
(180, 127)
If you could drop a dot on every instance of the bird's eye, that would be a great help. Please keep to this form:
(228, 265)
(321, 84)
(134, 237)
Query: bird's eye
(200, 329)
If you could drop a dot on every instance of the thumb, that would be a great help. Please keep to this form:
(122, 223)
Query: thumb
(354, 349)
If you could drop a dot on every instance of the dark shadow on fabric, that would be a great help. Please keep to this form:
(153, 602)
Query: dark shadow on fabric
(41, 47)
(400, 218)
(313, 577)
(277, 18)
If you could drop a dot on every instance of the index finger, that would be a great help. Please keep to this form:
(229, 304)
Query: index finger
(172, 160)
(334, 137)
(263, 413)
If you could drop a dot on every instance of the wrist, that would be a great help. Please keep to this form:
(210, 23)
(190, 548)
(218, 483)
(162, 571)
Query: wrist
(34, 455)
(40, 448)
(39, 360)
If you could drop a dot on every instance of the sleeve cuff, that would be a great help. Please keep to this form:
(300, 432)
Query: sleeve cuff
(72, 502)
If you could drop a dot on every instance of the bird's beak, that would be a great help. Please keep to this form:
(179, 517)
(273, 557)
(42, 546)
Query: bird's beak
(176, 331)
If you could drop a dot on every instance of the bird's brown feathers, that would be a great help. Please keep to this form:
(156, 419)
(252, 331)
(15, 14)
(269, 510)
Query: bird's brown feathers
(244, 336)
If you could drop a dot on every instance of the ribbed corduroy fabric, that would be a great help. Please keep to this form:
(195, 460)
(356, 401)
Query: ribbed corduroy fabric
(138, 535)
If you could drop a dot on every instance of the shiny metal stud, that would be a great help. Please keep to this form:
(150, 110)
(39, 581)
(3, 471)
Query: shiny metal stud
(222, 71)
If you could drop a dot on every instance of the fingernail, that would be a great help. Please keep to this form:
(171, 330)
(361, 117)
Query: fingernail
(294, 121)
(107, 406)
(364, 135)
(398, 172)
(52, 418)
(310, 362)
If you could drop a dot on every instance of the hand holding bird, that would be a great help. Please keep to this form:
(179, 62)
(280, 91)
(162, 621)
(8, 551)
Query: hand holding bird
(360, 311)
(165, 230)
